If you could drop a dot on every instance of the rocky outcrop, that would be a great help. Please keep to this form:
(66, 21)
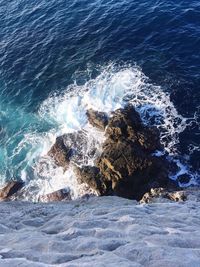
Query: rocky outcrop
(60, 152)
(71, 147)
(125, 124)
(127, 166)
(58, 195)
(131, 171)
(10, 189)
(97, 119)
(91, 176)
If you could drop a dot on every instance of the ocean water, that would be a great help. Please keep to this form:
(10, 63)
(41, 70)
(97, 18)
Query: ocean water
(59, 58)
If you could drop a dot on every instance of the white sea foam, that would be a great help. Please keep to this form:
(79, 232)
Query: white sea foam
(112, 89)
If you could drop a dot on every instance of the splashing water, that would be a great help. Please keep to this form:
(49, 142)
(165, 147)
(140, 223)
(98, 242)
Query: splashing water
(110, 90)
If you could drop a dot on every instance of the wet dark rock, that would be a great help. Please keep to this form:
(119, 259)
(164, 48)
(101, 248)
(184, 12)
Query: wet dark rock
(126, 124)
(131, 171)
(58, 195)
(71, 147)
(10, 189)
(61, 152)
(127, 162)
(97, 119)
(127, 166)
(91, 176)
(122, 124)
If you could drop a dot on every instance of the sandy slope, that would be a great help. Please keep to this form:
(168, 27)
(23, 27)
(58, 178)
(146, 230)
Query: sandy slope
(106, 231)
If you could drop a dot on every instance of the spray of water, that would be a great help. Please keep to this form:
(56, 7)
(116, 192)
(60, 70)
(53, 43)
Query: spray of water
(111, 89)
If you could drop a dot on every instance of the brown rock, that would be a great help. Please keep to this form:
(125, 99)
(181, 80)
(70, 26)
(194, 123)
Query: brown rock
(130, 171)
(97, 119)
(60, 152)
(149, 138)
(9, 189)
(91, 176)
(123, 123)
(126, 167)
(58, 195)
(71, 147)
(126, 124)
(123, 158)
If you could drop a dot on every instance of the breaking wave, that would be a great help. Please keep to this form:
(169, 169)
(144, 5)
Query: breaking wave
(111, 89)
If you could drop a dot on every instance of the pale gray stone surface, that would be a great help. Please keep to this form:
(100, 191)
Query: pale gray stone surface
(104, 231)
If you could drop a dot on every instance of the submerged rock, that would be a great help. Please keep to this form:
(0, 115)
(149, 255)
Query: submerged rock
(97, 119)
(184, 178)
(10, 189)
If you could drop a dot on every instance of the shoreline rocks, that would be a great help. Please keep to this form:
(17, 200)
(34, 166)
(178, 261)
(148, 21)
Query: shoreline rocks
(60, 153)
(127, 166)
(58, 195)
(91, 176)
(70, 148)
(10, 189)
(97, 119)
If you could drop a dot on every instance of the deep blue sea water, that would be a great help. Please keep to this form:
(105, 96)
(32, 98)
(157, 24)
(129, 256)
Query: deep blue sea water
(51, 48)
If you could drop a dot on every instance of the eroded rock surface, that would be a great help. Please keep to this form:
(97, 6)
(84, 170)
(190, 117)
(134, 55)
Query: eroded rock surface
(71, 147)
(127, 166)
(126, 124)
(61, 152)
(97, 119)
(10, 189)
(58, 195)
(91, 176)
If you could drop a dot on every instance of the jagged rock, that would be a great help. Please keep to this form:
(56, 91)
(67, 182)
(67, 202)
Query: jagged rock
(71, 147)
(126, 163)
(163, 193)
(126, 166)
(60, 152)
(97, 119)
(91, 176)
(131, 171)
(58, 195)
(9, 189)
(122, 123)
(126, 124)
(121, 159)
